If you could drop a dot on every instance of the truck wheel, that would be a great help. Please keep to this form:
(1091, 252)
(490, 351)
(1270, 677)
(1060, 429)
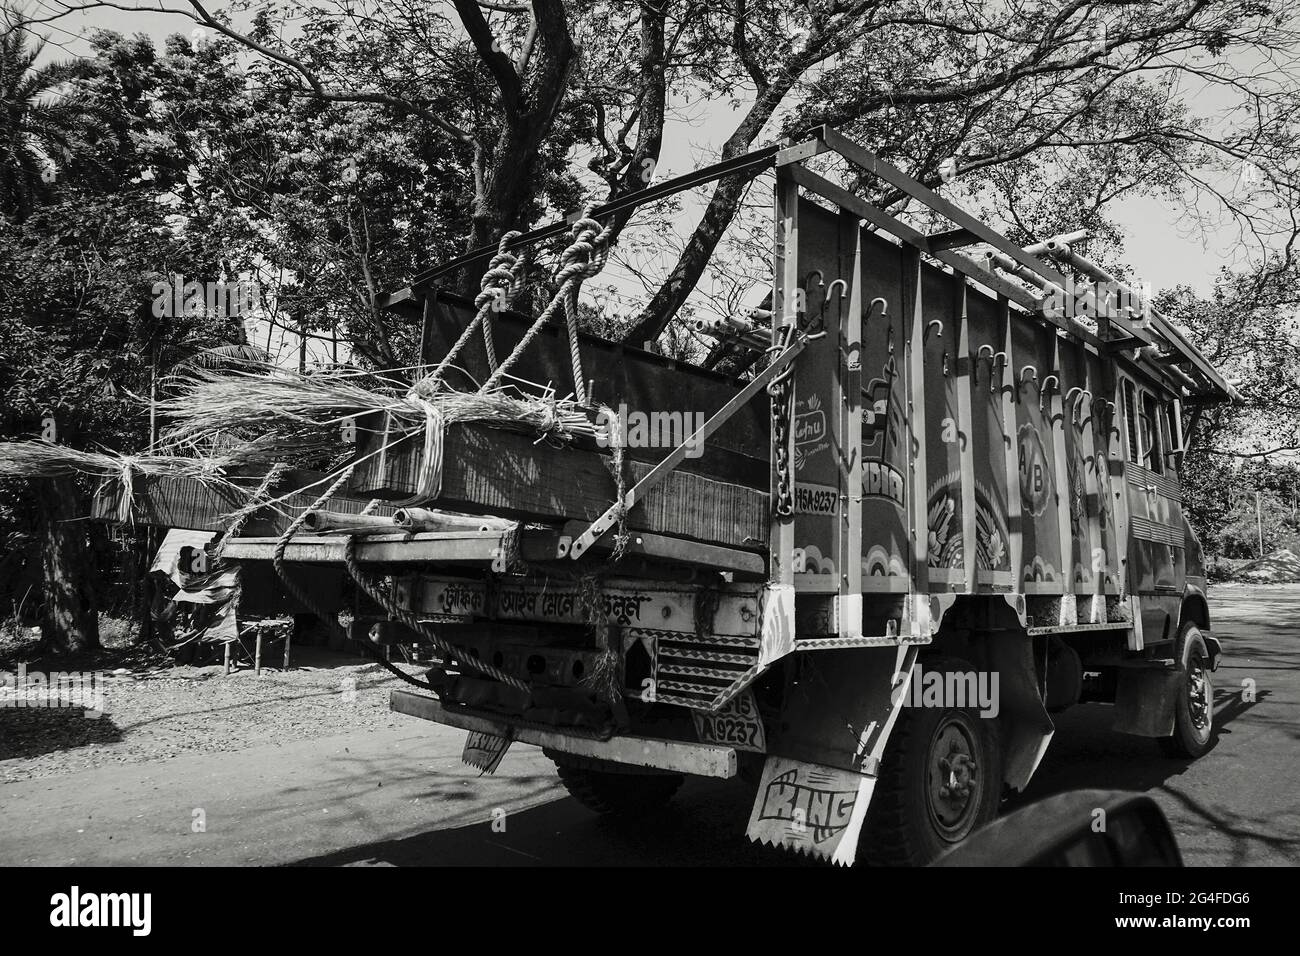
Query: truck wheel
(623, 795)
(1194, 708)
(940, 780)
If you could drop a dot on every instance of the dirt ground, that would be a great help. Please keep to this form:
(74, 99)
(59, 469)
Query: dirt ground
(154, 710)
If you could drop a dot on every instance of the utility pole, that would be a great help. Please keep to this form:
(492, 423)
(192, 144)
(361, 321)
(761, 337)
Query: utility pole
(302, 346)
(153, 396)
(1259, 525)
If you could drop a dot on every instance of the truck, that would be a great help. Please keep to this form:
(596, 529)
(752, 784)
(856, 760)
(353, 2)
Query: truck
(919, 499)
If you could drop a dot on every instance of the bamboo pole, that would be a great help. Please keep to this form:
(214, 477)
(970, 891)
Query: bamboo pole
(424, 519)
(317, 521)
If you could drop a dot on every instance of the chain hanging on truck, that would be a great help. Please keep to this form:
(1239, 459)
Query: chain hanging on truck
(781, 391)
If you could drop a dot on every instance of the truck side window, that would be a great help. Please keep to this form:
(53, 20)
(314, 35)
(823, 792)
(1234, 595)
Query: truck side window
(1152, 447)
(1130, 421)
(1173, 429)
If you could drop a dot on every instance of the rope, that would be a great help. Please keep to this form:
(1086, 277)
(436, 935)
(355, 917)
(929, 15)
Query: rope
(409, 618)
(618, 447)
(585, 256)
(500, 283)
(330, 621)
(255, 501)
(429, 485)
(575, 354)
(127, 477)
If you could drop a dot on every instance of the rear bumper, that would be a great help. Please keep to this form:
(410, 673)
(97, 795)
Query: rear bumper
(703, 760)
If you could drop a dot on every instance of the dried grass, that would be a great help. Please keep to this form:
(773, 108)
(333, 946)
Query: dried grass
(273, 409)
(38, 459)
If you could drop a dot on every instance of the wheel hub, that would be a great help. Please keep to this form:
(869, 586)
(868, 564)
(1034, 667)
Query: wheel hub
(1198, 696)
(953, 777)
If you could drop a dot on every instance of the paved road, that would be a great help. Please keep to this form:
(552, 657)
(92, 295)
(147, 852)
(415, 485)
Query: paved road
(402, 797)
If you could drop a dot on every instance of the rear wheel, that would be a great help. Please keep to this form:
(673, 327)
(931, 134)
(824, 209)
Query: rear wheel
(1194, 708)
(613, 793)
(940, 780)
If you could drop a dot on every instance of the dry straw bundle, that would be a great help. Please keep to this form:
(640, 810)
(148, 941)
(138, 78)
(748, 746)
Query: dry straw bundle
(38, 459)
(273, 404)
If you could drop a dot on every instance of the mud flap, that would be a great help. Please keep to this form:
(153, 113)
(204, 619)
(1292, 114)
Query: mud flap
(484, 751)
(810, 808)
(1145, 700)
(814, 796)
(1027, 728)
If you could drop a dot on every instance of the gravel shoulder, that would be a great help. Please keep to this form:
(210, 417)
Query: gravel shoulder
(153, 711)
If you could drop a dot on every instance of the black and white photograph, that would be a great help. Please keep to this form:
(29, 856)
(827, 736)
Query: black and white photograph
(851, 441)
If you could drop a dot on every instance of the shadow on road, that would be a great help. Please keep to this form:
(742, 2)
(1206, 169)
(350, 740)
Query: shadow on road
(32, 731)
(703, 826)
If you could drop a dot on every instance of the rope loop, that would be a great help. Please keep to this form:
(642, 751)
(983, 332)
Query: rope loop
(586, 255)
(500, 284)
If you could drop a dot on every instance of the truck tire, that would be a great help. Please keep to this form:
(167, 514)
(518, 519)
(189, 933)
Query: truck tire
(916, 814)
(627, 796)
(1194, 708)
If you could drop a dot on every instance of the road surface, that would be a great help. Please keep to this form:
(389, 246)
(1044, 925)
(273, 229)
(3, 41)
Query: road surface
(400, 796)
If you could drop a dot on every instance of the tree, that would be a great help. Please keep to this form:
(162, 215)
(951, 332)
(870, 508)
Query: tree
(81, 330)
(38, 132)
(992, 92)
(1248, 328)
(978, 88)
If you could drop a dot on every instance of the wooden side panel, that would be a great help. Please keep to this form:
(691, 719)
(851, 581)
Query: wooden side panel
(918, 477)
(944, 518)
(886, 552)
(640, 381)
(1102, 424)
(1041, 571)
(1078, 452)
(849, 432)
(965, 432)
(502, 472)
(163, 501)
(991, 440)
(824, 249)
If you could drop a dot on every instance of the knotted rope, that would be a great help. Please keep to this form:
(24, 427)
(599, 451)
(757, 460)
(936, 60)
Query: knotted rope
(585, 256)
(618, 469)
(126, 475)
(429, 485)
(500, 284)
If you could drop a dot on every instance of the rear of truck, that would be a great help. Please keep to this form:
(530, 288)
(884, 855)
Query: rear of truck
(858, 560)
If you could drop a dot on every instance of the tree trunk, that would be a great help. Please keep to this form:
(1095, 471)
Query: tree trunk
(677, 288)
(70, 621)
(722, 209)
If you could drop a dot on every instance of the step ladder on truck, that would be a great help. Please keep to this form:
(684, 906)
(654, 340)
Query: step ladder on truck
(933, 499)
